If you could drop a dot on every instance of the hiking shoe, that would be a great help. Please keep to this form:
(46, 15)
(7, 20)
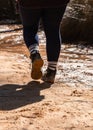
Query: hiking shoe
(49, 75)
(37, 64)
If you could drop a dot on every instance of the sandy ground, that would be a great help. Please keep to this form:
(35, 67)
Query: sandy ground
(35, 105)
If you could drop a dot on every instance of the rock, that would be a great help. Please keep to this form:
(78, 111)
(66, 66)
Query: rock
(77, 20)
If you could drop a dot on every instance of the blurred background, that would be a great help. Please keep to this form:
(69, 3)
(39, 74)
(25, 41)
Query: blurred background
(76, 26)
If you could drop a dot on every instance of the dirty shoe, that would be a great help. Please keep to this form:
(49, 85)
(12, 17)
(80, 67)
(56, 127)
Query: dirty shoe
(37, 64)
(49, 75)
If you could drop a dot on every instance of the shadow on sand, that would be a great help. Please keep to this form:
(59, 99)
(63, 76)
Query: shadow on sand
(13, 96)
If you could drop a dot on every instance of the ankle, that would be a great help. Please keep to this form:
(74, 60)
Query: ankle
(52, 65)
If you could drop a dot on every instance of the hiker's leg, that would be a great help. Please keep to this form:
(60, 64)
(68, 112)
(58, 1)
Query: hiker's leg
(30, 20)
(51, 19)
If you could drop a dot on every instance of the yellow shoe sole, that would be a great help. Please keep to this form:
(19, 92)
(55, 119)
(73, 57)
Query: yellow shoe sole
(36, 72)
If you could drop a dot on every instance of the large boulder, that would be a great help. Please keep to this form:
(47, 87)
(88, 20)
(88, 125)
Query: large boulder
(77, 24)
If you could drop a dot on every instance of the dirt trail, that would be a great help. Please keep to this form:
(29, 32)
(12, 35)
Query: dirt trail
(34, 105)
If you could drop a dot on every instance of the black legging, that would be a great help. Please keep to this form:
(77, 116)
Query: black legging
(51, 18)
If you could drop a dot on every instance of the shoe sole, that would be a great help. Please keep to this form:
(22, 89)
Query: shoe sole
(48, 81)
(36, 72)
